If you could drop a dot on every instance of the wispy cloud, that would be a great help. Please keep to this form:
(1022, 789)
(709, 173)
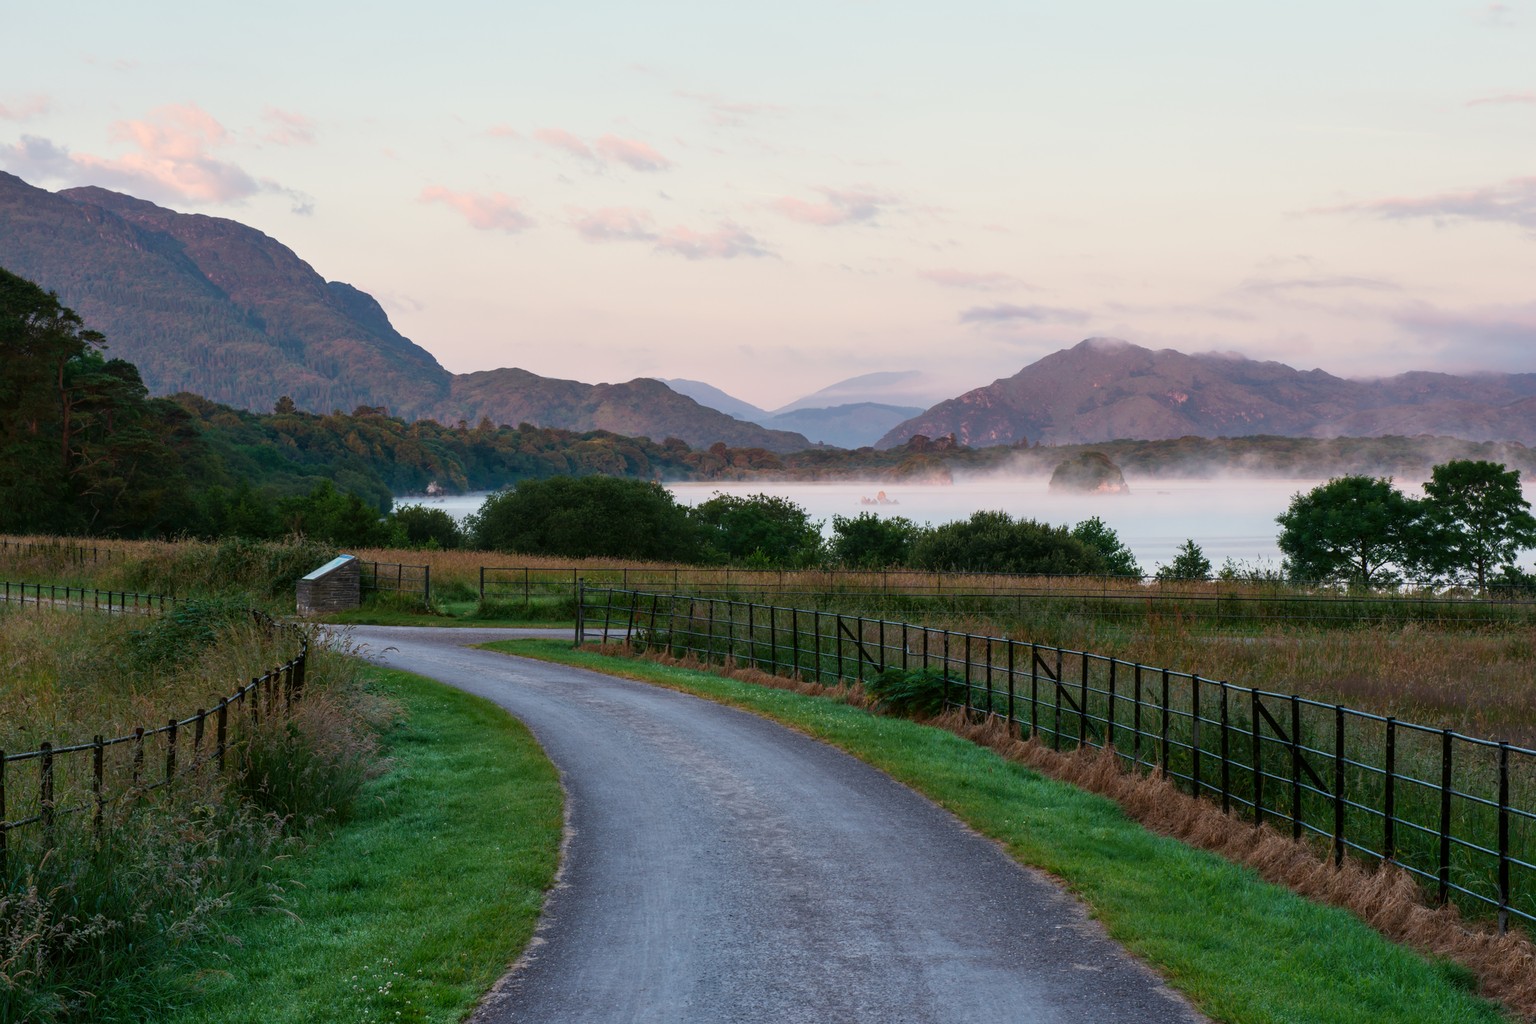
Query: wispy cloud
(564, 140)
(856, 205)
(1316, 283)
(631, 153)
(606, 150)
(1527, 98)
(484, 211)
(503, 131)
(1496, 15)
(726, 242)
(22, 108)
(287, 128)
(1509, 202)
(1506, 333)
(171, 159)
(1008, 313)
(614, 224)
(725, 113)
(971, 280)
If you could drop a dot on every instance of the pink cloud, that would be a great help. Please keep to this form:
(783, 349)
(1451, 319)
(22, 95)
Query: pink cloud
(632, 153)
(1509, 202)
(856, 205)
(491, 211)
(562, 139)
(726, 242)
(288, 129)
(24, 107)
(614, 224)
(979, 282)
(1528, 98)
(503, 131)
(173, 158)
(609, 149)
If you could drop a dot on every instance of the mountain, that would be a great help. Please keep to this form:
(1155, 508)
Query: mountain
(891, 388)
(639, 408)
(851, 424)
(1103, 389)
(857, 425)
(708, 394)
(208, 305)
(214, 307)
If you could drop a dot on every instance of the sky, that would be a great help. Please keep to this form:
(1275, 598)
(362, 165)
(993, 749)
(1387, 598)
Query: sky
(772, 198)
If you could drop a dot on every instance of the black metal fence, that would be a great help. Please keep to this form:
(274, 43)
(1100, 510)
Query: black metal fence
(1236, 604)
(39, 788)
(394, 578)
(1455, 811)
(83, 598)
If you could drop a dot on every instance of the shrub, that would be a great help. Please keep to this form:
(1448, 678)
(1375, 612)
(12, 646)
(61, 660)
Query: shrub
(919, 693)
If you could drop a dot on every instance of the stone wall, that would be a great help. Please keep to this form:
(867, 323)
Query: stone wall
(336, 586)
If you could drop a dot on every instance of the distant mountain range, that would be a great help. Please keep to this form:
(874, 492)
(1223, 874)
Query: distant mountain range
(844, 415)
(1103, 389)
(211, 306)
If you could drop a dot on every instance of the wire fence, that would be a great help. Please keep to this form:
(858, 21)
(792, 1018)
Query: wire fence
(40, 788)
(58, 552)
(394, 578)
(1455, 811)
(1239, 605)
(82, 598)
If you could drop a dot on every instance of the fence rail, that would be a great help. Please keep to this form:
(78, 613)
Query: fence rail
(1234, 604)
(394, 578)
(67, 782)
(83, 598)
(1455, 811)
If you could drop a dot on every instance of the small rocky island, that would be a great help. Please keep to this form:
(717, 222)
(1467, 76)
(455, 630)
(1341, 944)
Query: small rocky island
(1089, 473)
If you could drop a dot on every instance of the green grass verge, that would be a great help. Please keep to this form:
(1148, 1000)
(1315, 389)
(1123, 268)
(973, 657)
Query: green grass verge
(1243, 950)
(415, 907)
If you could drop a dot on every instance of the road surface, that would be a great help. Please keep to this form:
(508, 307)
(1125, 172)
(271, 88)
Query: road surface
(722, 868)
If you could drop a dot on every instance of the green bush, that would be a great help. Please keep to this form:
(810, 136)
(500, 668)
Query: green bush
(910, 694)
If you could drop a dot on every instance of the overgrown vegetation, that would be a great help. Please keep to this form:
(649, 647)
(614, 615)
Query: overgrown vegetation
(94, 912)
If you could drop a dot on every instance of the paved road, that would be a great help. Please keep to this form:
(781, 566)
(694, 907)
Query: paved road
(721, 868)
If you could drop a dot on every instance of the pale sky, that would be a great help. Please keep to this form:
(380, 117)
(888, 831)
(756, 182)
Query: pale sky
(775, 197)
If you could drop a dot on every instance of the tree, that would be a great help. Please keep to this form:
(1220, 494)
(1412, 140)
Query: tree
(418, 526)
(585, 517)
(870, 541)
(1477, 521)
(38, 338)
(1118, 559)
(760, 529)
(1351, 530)
(995, 542)
(1189, 563)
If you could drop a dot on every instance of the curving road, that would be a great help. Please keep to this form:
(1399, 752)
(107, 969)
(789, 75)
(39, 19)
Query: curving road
(721, 868)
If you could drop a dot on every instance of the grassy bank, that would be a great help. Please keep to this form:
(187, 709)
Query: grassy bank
(1244, 950)
(415, 908)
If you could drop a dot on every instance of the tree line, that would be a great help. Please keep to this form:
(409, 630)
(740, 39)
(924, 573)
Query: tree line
(84, 450)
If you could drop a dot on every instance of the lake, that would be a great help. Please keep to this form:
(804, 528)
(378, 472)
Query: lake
(1228, 518)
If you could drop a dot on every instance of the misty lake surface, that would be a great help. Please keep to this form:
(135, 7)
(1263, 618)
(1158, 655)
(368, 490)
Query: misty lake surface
(1229, 518)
